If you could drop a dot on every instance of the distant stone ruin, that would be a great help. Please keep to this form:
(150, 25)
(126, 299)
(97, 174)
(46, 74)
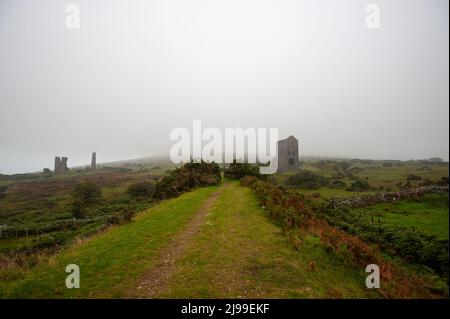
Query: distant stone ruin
(287, 154)
(94, 161)
(61, 165)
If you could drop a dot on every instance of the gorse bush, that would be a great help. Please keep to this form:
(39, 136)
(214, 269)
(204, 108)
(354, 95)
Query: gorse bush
(359, 185)
(84, 196)
(443, 181)
(307, 180)
(141, 189)
(87, 193)
(78, 209)
(186, 178)
(344, 165)
(240, 170)
(122, 217)
(412, 177)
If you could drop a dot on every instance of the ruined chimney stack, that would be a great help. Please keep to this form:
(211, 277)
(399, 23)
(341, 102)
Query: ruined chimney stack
(94, 161)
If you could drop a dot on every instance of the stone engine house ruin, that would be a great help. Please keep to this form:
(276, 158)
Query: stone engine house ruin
(61, 165)
(288, 154)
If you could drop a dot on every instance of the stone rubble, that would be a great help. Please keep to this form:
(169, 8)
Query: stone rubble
(372, 199)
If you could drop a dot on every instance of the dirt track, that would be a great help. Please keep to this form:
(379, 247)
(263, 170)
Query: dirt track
(154, 281)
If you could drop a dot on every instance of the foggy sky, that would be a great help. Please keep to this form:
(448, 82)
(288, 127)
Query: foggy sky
(137, 69)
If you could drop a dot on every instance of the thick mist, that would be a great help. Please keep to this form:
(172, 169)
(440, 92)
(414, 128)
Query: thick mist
(135, 70)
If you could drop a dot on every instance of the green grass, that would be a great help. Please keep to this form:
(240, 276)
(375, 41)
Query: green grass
(11, 243)
(240, 253)
(430, 215)
(112, 261)
(390, 176)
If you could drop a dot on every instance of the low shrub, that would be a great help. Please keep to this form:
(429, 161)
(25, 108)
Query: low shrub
(287, 208)
(337, 184)
(141, 189)
(87, 193)
(125, 216)
(240, 170)
(84, 196)
(307, 180)
(412, 177)
(443, 181)
(186, 178)
(359, 185)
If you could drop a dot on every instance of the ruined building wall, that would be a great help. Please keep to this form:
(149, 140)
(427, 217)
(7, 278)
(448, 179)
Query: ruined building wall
(57, 165)
(61, 165)
(64, 167)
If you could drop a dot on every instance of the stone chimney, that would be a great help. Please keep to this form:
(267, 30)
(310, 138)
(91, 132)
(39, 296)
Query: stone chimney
(94, 161)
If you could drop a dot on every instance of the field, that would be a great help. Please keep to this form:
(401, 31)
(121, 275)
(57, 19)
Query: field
(430, 215)
(381, 175)
(219, 241)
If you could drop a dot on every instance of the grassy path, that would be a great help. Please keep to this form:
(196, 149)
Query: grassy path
(239, 252)
(156, 279)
